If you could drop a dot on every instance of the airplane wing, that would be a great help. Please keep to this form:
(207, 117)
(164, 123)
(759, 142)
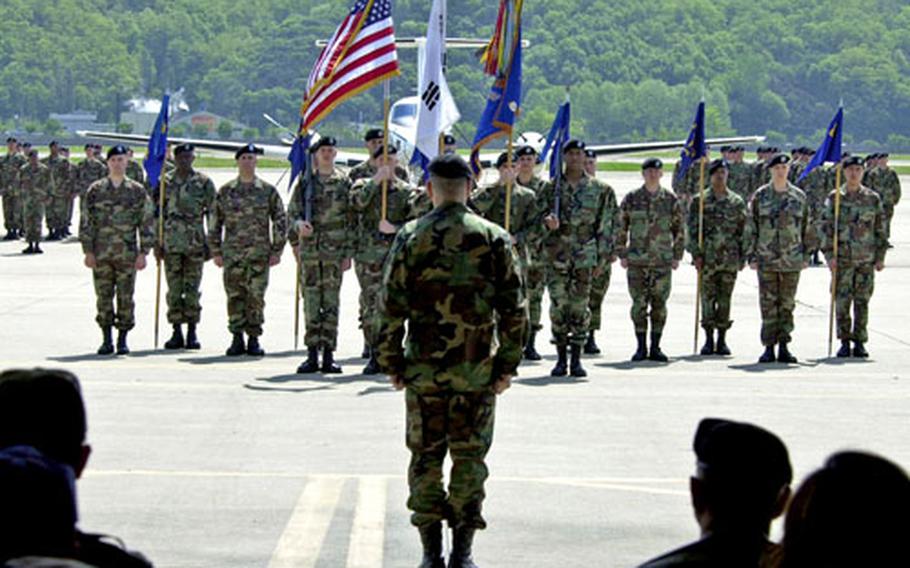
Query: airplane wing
(634, 148)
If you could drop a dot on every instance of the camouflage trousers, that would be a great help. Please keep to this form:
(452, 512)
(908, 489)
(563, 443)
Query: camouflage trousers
(599, 286)
(570, 316)
(889, 214)
(716, 298)
(855, 285)
(321, 284)
(459, 424)
(12, 210)
(56, 212)
(777, 299)
(536, 282)
(184, 276)
(115, 278)
(370, 278)
(245, 282)
(32, 216)
(649, 288)
(70, 205)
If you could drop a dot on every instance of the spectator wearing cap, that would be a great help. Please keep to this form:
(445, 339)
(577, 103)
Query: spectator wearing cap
(650, 243)
(526, 159)
(367, 168)
(59, 197)
(578, 238)
(322, 233)
(246, 237)
(43, 428)
(374, 235)
(861, 248)
(779, 239)
(116, 233)
(452, 281)
(720, 256)
(741, 483)
(9, 187)
(35, 183)
(885, 182)
(850, 512)
(739, 174)
(134, 169)
(189, 203)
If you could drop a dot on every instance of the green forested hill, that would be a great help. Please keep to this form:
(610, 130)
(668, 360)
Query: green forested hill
(636, 67)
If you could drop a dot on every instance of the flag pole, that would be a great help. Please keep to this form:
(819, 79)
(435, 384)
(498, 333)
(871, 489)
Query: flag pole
(161, 189)
(297, 303)
(701, 244)
(508, 218)
(831, 307)
(386, 96)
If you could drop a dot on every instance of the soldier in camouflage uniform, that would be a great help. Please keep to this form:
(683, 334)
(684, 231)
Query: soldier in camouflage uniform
(578, 238)
(189, 202)
(720, 256)
(116, 234)
(761, 176)
(861, 247)
(779, 236)
(12, 205)
(886, 183)
(88, 171)
(816, 185)
(650, 244)
(367, 168)
(537, 274)
(453, 279)
(739, 177)
(601, 282)
(324, 245)
(374, 238)
(59, 193)
(241, 242)
(35, 183)
(134, 169)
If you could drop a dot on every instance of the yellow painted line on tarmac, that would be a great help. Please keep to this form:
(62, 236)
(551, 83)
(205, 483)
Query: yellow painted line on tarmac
(368, 530)
(302, 539)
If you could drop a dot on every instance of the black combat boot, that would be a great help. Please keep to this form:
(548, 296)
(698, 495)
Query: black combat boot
(844, 350)
(176, 340)
(708, 348)
(29, 249)
(656, 354)
(311, 365)
(591, 347)
(328, 363)
(561, 368)
(641, 353)
(66, 232)
(54, 235)
(768, 356)
(10, 235)
(721, 347)
(37, 248)
(122, 347)
(531, 353)
(253, 348)
(107, 344)
(372, 367)
(462, 541)
(431, 539)
(365, 354)
(859, 350)
(575, 367)
(192, 342)
(783, 354)
(815, 261)
(238, 347)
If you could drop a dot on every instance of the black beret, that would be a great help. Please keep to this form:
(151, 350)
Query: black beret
(118, 150)
(525, 151)
(26, 144)
(739, 148)
(884, 155)
(248, 149)
(871, 157)
(89, 146)
(11, 139)
(854, 161)
(393, 150)
(98, 147)
(590, 154)
(502, 160)
(778, 159)
(323, 141)
(32, 153)
(373, 134)
(738, 451)
(450, 166)
(53, 143)
(726, 148)
(795, 151)
(183, 149)
(652, 163)
(448, 140)
(812, 152)
(716, 165)
(761, 149)
(64, 148)
(573, 144)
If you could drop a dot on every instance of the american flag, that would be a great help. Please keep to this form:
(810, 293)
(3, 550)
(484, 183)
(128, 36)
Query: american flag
(360, 54)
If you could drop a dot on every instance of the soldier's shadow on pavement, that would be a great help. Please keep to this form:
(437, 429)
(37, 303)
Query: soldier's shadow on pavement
(546, 380)
(841, 361)
(766, 367)
(85, 357)
(328, 382)
(260, 388)
(633, 365)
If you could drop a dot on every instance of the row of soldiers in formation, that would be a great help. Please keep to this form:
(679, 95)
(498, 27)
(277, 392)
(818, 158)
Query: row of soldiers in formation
(567, 249)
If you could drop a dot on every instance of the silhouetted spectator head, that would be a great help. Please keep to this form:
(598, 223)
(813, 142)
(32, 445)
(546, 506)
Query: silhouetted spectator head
(851, 512)
(37, 504)
(43, 408)
(742, 479)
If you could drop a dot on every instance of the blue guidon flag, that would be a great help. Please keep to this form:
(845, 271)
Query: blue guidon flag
(695, 148)
(157, 149)
(830, 149)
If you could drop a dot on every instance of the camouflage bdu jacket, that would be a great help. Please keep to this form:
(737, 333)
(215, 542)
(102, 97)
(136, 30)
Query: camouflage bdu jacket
(886, 184)
(188, 204)
(524, 220)
(112, 217)
(371, 246)
(587, 223)
(761, 176)
(651, 229)
(779, 236)
(739, 179)
(334, 221)
(9, 170)
(723, 228)
(816, 185)
(60, 170)
(35, 184)
(242, 213)
(88, 171)
(453, 277)
(366, 170)
(860, 228)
